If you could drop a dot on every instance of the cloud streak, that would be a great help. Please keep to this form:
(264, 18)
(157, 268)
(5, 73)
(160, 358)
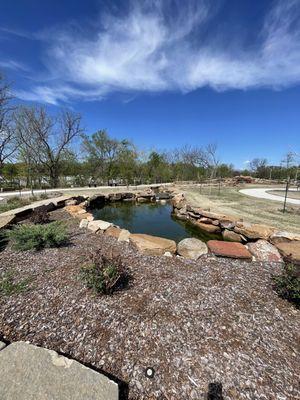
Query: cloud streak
(151, 49)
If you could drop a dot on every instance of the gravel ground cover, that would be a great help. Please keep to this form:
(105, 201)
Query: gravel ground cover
(194, 322)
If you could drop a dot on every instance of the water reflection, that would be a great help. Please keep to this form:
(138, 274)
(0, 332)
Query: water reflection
(151, 218)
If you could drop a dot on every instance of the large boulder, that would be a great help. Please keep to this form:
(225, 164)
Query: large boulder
(283, 237)
(191, 248)
(152, 245)
(179, 200)
(30, 372)
(229, 249)
(98, 225)
(231, 236)
(264, 251)
(207, 227)
(254, 231)
(113, 231)
(124, 236)
(75, 210)
(290, 251)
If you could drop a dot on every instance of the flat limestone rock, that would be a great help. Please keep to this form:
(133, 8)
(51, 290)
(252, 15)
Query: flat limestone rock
(5, 221)
(191, 248)
(2, 345)
(290, 251)
(152, 245)
(98, 225)
(283, 237)
(208, 228)
(231, 236)
(229, 249)
(124, 236)
(30, 373)
(264, 251)
(254, 231)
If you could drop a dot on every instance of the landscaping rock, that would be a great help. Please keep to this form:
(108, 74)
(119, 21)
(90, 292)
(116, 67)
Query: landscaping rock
(208, 228)
(71, 202)
(290, 251)
(96, 201)
(75, 210)
(152, 245)
(231, 236)
(205, 220)
(124, 236)
(254, 231)
(178, 200)
(113, 231)
(2, 345)
(227, 224)
(5, 221)
(84, 223)
(142, 200)
(191, 248)
(163, 196)
(229, 249)
(29, 372)
(264, 251)
(283, 237)
(98, 225)
(115, 197)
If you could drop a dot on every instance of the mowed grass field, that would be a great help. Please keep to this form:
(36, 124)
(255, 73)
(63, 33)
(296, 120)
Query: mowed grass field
(229, 201)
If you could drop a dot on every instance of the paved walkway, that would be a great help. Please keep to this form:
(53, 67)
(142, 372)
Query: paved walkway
(261, 193)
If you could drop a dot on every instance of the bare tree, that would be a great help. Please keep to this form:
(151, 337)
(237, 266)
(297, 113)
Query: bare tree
(45, 139)
(7, 136)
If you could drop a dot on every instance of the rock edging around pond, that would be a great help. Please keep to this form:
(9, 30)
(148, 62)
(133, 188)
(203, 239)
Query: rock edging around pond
(264, 243)
(241, 239)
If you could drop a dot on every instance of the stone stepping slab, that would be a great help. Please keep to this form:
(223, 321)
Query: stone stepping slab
(29, 372)
(229, 249)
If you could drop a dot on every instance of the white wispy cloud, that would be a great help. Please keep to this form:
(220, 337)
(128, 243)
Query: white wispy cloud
(151, 49)
(11, 64)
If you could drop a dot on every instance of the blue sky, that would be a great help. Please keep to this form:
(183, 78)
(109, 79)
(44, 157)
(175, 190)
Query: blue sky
(164, 73)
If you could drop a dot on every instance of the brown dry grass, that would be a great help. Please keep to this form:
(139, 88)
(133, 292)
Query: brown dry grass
(230, 201)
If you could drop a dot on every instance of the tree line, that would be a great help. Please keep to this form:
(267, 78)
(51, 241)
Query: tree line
(40, 149)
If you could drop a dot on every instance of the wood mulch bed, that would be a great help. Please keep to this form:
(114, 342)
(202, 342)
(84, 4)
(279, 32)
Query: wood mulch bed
(195, 323)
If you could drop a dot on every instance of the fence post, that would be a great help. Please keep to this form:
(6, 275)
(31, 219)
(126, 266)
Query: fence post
(286, 193)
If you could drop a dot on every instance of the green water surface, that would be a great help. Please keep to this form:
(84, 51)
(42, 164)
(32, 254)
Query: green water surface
(152, 219)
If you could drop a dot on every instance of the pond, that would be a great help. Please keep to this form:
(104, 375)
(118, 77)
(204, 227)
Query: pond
(150, 218)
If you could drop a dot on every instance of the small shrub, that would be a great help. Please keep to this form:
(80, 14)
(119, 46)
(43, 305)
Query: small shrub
(8, 286)
(40, 216)
(43, 196)
(28, 237)
(287, 285)
(104, 275)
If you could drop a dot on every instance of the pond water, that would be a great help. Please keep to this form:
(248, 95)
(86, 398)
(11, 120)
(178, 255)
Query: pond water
(150, 218)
